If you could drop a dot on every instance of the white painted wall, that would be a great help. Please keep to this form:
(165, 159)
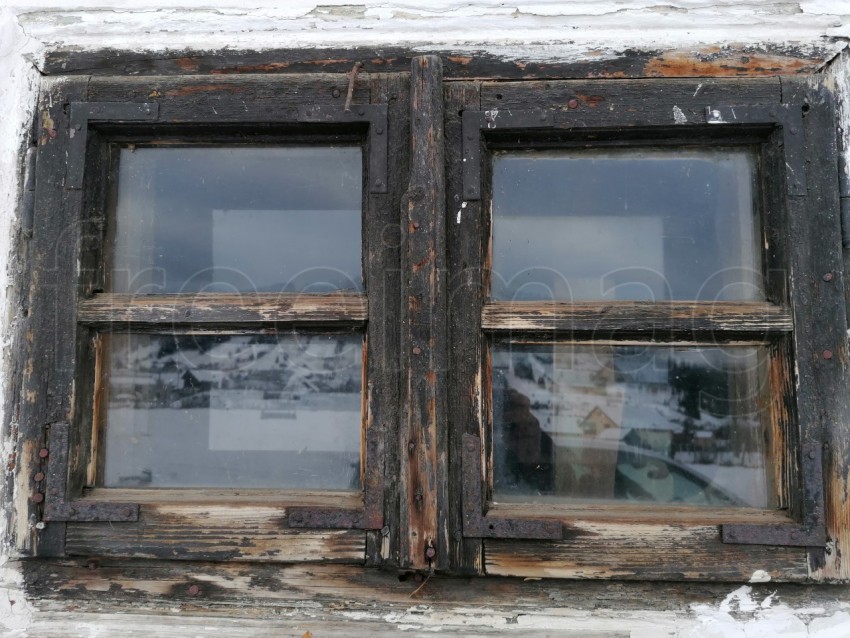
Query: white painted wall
(541, 31)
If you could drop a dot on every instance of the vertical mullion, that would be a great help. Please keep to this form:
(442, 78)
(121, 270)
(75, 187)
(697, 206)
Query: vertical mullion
(466, 294)
(383, 283)
(423, 466)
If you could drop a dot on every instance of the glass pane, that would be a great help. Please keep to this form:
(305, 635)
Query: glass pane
(655, 424)
(233, 411)
(635, 224)
(237, 219)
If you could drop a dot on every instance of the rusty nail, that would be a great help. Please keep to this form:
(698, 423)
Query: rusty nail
(573, 104)
(39, 476)
(38, 497)
(827, 354)
(416, 224)
(194, 590)
(417, 350)
(411, 446)
(335, 93)
(43, 453)
(430, 552)
(385, 530)
(827, 276)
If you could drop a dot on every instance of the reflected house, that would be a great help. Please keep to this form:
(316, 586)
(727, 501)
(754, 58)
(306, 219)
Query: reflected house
(597, 421)
(203, 380)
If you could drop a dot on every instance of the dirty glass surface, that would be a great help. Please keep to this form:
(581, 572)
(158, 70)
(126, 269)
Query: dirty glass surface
(232, 411)
(237, 219)
(630, 224)
(651, 424)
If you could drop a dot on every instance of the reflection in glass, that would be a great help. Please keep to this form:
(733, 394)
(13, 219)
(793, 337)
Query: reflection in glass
(237, 219)
(631, 224)
(233, 411)
(655, 424)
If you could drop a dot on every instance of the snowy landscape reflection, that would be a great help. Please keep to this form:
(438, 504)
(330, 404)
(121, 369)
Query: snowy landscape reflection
(655, 424)
(233, 411)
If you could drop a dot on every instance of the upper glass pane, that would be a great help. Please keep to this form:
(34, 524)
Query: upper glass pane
(232, 411)
(237, 219)
(632, 224)
(654, 424)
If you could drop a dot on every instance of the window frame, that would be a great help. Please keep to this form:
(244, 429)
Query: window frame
(427, 401)
(794, 128)
(92, 119)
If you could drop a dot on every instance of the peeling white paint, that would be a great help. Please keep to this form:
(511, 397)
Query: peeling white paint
(760, 576)
(678, 116)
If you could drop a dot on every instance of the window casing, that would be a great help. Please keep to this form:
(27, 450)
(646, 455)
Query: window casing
(408, 315)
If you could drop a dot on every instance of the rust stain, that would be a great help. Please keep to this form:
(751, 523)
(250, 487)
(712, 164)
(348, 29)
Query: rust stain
(10, 464)
(713, 62)
(591, 100)
(188, 64)
(419, 266)
(255, 68)
(460, 59)
(154, 93)
(204, 88)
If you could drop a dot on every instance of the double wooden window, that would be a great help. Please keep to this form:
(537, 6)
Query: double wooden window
(523, 328)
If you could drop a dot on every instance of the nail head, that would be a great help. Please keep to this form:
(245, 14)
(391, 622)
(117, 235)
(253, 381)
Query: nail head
(417, 350)
(39, 476)
(828, 276)
(194, 590)
(573, 104)
(38, 497)
(43, 453)
(827, 354)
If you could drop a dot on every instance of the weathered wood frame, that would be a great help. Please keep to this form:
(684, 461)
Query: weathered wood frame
(791, 129)
(596, 544)
(86, 122)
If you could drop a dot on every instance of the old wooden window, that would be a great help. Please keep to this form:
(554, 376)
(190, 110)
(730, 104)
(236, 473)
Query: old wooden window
(219, 277)
(562, 328)
(637, 352)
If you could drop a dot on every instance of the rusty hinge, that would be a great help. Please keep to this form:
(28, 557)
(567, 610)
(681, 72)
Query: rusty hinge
(478, 525)
(56, 505)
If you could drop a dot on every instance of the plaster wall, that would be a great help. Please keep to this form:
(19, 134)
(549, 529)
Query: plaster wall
(531, 31)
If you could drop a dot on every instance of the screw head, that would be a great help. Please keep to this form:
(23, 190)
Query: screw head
(573, 104)
(828, 276)
(43, 453)
(827, 354)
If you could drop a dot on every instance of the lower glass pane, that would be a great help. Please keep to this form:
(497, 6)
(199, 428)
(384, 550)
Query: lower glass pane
(232, 411)
(655, 424)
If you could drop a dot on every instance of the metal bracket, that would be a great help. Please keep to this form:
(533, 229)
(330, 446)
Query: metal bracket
(84, 112)
(56, 507)
(474, 122)
(375, 115)
(478, 525)
(812, 531)
(331, 518)
(789, 117)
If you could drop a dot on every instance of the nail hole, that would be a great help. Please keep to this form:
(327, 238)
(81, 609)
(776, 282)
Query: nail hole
(806, 108)
(498, 96)
(460, 113)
